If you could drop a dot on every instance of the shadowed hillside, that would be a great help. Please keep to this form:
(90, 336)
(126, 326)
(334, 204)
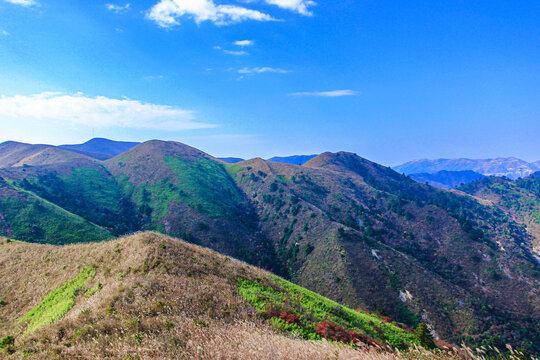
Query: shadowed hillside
(447, 179)
(520, 199)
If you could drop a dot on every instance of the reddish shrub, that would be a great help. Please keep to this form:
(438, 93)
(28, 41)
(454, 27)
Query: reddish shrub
(290, 318)
(331, 331)
(271, 312)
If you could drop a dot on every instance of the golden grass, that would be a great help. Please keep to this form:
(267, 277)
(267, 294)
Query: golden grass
(160, 298)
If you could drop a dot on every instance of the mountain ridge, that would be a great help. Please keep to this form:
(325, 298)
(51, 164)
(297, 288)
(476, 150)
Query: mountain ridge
(511, 167)
(324, 225)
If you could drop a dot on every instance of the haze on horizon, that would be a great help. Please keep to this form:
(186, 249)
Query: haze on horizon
(262, 78)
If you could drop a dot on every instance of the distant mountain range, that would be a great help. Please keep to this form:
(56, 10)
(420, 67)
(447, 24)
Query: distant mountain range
(348, 228)
(511, 167)
(447, 179)
(294, 159)
(101, 148)
(230, 160)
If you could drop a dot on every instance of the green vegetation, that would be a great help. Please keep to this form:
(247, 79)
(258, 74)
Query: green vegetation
(58, 302)
(282, 179)
(203, 184)
(424, 336)
(7, 341)
(303, 312)
(233, 169)
(123, 159)
(89, 193)
(33, 219)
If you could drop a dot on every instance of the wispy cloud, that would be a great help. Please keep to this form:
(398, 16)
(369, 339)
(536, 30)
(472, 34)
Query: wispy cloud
(300, 6)
(98, 112)
(154, 77)
(231, 52)
(260, 70)
(4, 32)
(167, 12)
(22, 2)
(118, 8)
(333, 93)
(234, 52)
(244, 42)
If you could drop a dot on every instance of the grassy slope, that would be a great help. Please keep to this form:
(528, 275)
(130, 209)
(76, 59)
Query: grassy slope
(90, 192)
(149, 296)
(27, 217)
(183, 192)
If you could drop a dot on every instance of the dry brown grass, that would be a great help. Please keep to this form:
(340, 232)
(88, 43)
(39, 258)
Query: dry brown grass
(161, 299)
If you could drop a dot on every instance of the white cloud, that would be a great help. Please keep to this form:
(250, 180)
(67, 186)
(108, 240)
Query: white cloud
(166, 12)
(4, 32)
(118, 8)
(244, 42)
(333, 93)
(259, 70)
(22, 2)
(98, 112)
(300, 6)
(233, 52)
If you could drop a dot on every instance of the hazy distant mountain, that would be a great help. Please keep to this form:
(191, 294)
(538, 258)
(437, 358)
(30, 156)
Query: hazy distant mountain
(293, 159)
(511, 167)
(230, 160)
(15, 154)
(100, 146)
(535, 175)
(447, 179)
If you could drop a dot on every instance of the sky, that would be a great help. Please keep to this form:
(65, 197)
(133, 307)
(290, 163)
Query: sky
(391, 81)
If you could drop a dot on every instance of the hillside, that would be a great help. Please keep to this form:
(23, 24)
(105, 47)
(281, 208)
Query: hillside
(27, 217)
(426, 250)
(520, 199)
(148, 296)
(447, 179)
(350, 229)
(184, 192)
(512, 168)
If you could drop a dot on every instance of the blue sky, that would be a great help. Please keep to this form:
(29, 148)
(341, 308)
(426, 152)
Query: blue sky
(390, 80)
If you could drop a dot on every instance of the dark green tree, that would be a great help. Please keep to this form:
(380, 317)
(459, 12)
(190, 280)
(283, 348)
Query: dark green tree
(424, 336)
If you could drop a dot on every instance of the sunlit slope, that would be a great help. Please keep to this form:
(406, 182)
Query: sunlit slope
(152, 296)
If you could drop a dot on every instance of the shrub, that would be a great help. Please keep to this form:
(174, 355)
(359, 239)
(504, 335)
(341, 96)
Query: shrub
(7, 341)
(331, 331)
(424, 336)
(290, 318)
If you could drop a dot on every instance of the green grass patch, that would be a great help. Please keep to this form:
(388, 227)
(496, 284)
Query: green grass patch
(124, 159)
(31, 218)
(233, 169)
(203, 184)
(58, 302)
(90, 193)
(282, 179)
(313, 309)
